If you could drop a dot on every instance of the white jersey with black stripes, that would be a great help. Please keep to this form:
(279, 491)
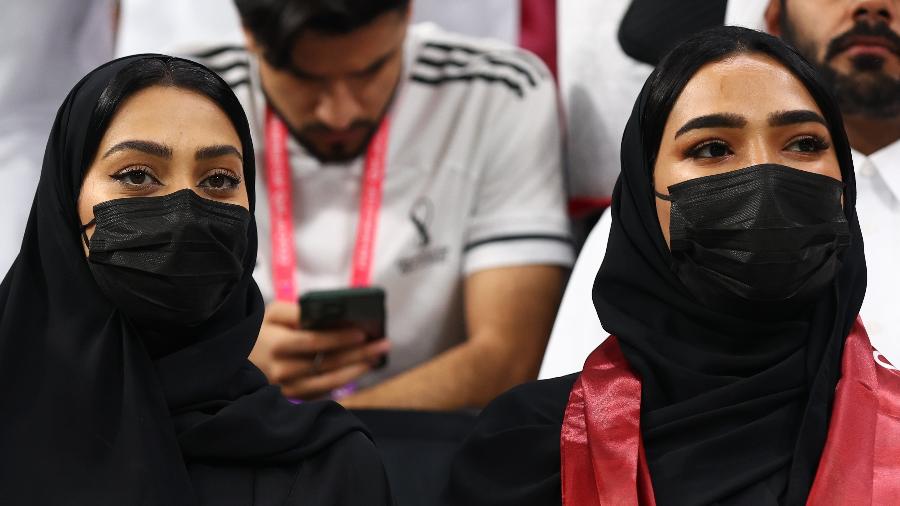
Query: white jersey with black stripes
(473, 182)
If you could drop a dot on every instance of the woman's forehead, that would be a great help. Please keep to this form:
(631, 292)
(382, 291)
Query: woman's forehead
(751, 85)
(166, 111)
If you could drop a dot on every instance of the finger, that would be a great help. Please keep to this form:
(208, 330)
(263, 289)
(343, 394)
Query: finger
(315, 386)
(285, 371)
(370, 353)
(283, 313)
(310, 342)
(271, 337)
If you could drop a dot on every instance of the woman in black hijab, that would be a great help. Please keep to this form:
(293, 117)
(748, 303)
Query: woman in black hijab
(124, 377)
(731, 286)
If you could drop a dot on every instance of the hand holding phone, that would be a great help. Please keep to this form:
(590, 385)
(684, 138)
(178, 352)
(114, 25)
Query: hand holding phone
(350, 308)
(287, 354)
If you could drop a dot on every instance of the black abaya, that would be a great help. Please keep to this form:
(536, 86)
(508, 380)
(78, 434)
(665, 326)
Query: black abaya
(89, 417)
(734, 410)
(511, 458)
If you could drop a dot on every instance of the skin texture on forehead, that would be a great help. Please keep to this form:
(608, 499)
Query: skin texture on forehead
(187, 125)
(753, 88)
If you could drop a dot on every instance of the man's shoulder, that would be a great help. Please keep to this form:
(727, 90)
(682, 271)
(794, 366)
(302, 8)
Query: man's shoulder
(231, 62)
(443, 60)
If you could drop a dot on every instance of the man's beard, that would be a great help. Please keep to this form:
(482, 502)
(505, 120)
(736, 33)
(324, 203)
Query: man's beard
(866, 90)
(336, 152)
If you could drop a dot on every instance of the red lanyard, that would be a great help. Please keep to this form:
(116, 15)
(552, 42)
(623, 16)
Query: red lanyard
(278, 182)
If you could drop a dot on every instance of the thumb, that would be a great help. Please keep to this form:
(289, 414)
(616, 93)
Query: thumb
(283, 313)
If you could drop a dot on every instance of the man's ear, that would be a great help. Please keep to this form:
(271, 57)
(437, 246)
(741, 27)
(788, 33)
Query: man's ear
(409, 12)
(249, 40)
(773, 17)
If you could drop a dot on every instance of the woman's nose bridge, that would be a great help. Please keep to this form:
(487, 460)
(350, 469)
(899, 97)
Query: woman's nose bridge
(181, 176)
(760, 150)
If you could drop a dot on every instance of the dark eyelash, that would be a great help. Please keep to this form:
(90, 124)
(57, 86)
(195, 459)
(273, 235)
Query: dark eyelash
(226, 173)
(695, 150)
(819, 143)
(122, 174)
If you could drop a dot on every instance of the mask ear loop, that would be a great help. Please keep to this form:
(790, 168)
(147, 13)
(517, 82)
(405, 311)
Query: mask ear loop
(83, 230)
(667, 198)
(663, 196)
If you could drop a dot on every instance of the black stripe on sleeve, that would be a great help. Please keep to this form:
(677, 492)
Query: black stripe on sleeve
(487, 57)
(221, 69)
(518, 68)
(521, 237)
(215, 51)
(240, 82)
(434, 81)
(431, 62)
(452, 47)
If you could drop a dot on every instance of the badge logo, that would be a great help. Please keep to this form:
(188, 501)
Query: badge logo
(421, 215)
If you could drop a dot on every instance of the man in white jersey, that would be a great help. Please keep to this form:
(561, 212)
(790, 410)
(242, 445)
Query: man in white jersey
(855, 44)
(403, 157)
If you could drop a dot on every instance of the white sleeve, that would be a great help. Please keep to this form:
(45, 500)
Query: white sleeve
(749, 13)
(519, 215)
(577, 330)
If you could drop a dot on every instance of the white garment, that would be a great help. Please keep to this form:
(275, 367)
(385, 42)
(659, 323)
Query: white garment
(747, 13)
(577, 330)
(474, 156)
(48, 46)
(599, 84)
(166, 26)
(495, 19)
(878, 207)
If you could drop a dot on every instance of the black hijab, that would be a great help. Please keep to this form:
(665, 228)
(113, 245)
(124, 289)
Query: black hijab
(89, 416)
(734, 410)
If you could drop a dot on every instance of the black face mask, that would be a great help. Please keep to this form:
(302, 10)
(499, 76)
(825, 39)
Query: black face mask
(761, 240)
(167, 261)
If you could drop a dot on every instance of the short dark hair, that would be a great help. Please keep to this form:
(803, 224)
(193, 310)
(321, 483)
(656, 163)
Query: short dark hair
(716, 44)
(276, 24)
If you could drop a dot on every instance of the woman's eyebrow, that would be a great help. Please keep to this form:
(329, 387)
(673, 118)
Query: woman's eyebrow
(149, 147)
(720, 120)
(216, 151)
(784, 118)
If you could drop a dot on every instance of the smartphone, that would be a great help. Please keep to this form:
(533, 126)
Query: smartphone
(360, 308)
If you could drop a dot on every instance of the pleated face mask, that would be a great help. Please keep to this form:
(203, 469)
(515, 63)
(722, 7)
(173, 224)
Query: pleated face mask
(767, 237)
(170, 260)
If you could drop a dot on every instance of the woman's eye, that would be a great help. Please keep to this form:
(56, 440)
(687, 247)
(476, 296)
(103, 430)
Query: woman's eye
(221, 182)
(135, 177)
(808, 144)
(714, 149)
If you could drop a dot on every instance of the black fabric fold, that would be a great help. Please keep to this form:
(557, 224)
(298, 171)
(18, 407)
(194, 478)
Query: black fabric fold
(735, 410)
(89, 416)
